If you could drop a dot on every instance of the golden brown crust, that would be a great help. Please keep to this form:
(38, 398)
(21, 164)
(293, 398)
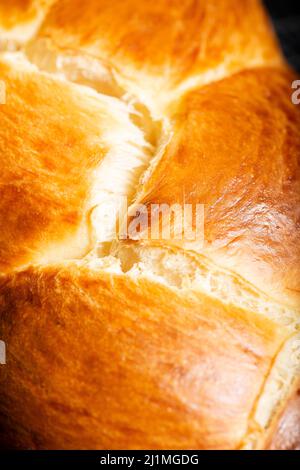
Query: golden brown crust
(192, 348)
(15, 12)
(235, 149)
(158, 45)
(50, 142)
(149, 367)
(19, 19)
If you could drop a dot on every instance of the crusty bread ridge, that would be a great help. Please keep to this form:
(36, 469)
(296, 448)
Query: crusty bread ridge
(20, 20)
(142, 343)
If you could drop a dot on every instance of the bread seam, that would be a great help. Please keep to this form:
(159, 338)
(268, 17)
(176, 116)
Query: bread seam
(150, 124)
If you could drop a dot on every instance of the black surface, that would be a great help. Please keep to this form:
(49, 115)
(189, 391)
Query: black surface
(148, 459)
(286, 18)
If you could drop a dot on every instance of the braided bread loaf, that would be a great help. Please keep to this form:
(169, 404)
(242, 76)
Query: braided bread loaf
(128, 342)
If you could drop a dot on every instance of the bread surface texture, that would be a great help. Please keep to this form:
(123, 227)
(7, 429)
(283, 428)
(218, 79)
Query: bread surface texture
(20, 20)
(148, 340)
(154, 355)
(239, 156)
(155, 51)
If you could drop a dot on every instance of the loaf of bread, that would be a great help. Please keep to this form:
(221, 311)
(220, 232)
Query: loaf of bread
(119, 334)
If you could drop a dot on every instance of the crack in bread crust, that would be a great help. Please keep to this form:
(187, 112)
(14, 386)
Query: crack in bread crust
(145, 128)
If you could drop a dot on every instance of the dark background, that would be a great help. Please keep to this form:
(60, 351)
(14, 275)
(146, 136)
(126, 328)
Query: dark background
(286, 18)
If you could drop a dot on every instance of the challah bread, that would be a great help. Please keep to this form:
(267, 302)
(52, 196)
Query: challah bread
(103, 358)
(239, 156)
(66, 131)
(141, 342)
(20, 20)
(153, 51)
